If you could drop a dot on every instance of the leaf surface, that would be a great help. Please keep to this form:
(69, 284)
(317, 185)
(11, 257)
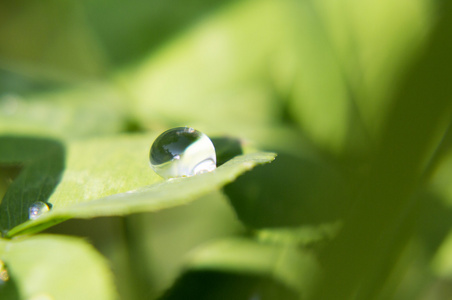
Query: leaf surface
(111, 176)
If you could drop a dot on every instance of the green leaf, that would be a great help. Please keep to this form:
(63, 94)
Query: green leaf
(56, 267)
(111, 176)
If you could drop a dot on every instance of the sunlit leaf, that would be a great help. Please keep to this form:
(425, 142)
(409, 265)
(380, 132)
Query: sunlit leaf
(111, 176)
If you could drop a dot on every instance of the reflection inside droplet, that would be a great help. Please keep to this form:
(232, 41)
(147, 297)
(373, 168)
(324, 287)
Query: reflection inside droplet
(182, 151)
(37, 209)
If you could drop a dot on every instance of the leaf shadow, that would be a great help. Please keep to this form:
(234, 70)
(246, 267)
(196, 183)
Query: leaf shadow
(226, 148)
(42, 162)
(292, 191)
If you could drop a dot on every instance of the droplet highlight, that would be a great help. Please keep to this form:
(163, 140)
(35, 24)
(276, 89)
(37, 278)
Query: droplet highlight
(181, 152)
(4, 276)
(37, 209)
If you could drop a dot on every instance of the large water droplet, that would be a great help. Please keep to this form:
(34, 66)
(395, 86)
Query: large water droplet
(4, 276)
(182, 151)
(37, 209)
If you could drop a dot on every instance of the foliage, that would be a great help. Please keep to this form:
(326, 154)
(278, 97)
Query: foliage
(353, 97)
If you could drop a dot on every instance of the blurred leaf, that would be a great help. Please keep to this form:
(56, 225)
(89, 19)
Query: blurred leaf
(210, 75)
(350, 54)
(56, 267)
(48, 39)
(294, 268)
(111, 176)
(85, 110)
(128, 30)
(385, 211)
(308, 61)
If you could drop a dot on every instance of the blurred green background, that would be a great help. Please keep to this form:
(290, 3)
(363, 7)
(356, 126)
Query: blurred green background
(353, 95)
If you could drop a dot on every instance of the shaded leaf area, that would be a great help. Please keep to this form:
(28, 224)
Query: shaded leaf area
(217, 285)
(7, 176)
(292, 191)
(107, 177)
(35, 266)
(43, 163)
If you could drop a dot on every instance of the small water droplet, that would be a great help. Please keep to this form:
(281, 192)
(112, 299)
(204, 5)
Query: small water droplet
(4, 276)
(37, 209)
(182, 151)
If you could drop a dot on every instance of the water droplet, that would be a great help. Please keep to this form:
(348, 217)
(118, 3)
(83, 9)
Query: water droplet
(182, 151)
(4, 276)
(37, 209)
